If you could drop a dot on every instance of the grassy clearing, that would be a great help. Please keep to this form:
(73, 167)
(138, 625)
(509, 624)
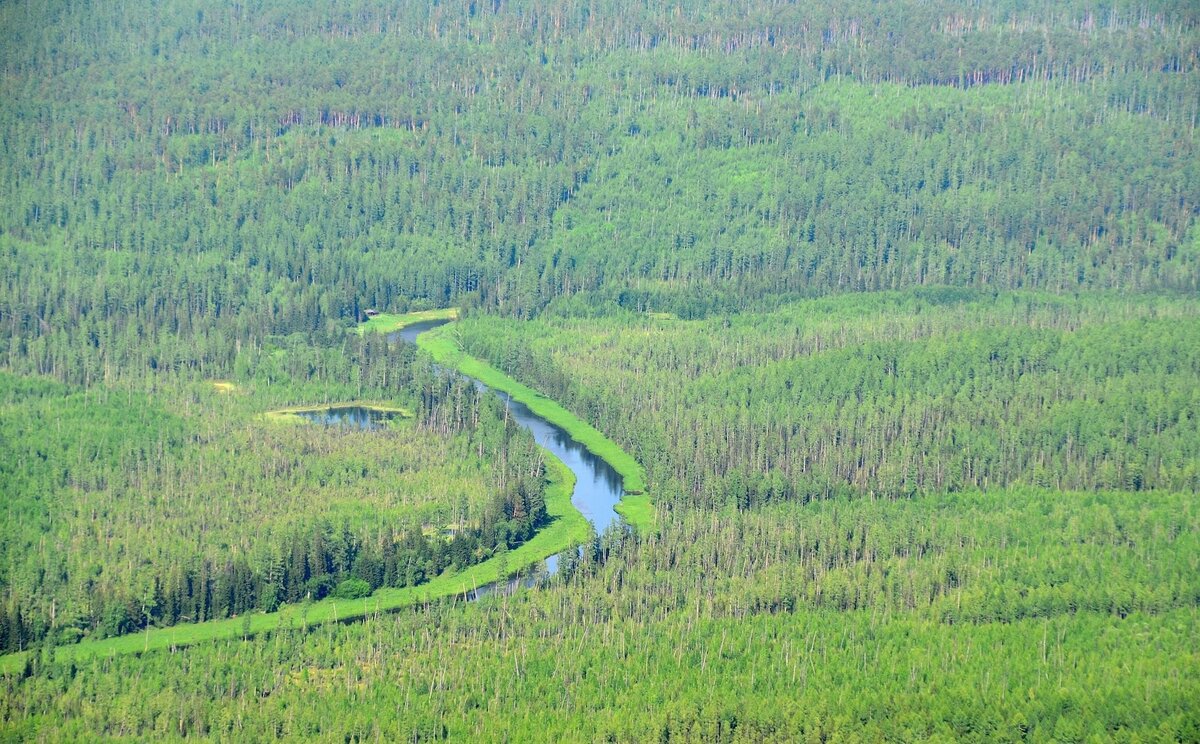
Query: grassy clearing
(224, 386)
(567, 527)
(392, 322)
(638, 512)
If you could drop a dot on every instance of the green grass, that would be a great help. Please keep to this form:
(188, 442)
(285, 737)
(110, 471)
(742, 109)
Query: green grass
(392, 322)
(446, 351)
(637, 510)
(567, 527)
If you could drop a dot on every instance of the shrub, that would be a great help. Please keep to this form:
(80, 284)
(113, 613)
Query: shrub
(352, 589)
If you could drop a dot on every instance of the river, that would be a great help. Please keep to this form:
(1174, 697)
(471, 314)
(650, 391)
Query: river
(598, 487)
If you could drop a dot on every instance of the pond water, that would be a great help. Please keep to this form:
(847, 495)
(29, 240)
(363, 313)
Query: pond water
(354, 417)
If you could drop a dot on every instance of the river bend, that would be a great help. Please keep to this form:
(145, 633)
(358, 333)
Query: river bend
(598, 487)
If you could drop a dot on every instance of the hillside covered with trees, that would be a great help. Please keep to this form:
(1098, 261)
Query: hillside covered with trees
(181, 181)
(895, 305)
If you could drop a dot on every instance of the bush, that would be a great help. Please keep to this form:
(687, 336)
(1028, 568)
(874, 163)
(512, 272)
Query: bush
(116, 621)
(319, 587)
(352, 589)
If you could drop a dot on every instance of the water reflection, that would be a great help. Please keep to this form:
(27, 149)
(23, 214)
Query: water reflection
(353, 417)
(598, 487)
(529, 577)
(410, 333)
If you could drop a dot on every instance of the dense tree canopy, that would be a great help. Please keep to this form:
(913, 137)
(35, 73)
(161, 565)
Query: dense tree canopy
(120, 514)
(289, 165)
(895, 302)
(887, 394)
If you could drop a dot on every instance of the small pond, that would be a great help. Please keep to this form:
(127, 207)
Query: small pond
(352, 417)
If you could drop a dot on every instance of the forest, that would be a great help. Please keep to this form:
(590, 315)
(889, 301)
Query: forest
(886, 317)
(131, 515)
(887, 395)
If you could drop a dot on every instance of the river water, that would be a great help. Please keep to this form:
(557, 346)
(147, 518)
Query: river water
(598, 487)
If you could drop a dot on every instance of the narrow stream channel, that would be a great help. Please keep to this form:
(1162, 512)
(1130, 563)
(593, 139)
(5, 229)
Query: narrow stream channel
(598, 487)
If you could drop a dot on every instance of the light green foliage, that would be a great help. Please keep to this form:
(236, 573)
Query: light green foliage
(101, 497)
(566, 527)
(1004, 616)
(887, 394)
(352, 589)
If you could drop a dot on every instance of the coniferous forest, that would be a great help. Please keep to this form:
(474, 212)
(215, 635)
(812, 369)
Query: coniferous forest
(885, 317)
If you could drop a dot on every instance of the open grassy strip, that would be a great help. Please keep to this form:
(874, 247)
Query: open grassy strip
(637, 510)
(392, 322)
(567, 527)
(634, 506)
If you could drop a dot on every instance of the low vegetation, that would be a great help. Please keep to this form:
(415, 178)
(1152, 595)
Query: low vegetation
(392, 322)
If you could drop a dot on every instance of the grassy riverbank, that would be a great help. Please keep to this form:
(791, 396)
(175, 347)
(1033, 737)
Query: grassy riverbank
(567, 527)
(635, 506)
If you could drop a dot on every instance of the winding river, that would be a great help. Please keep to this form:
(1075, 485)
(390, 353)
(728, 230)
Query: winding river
(598, 487)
